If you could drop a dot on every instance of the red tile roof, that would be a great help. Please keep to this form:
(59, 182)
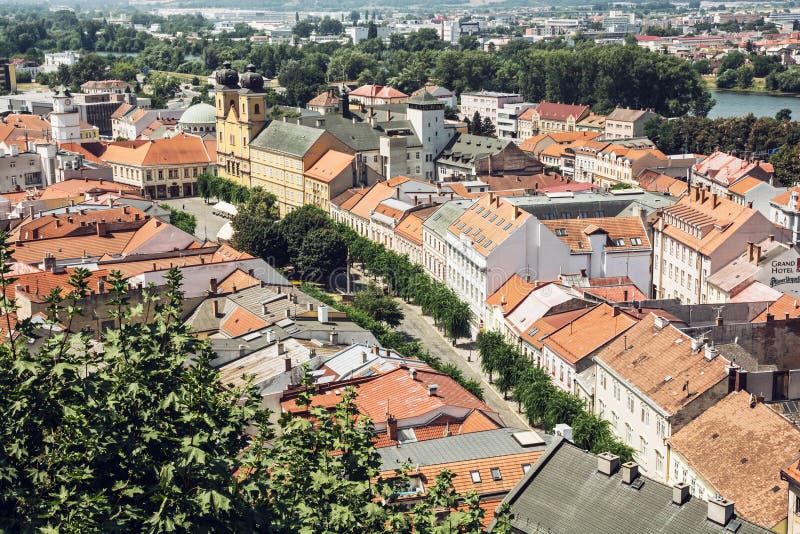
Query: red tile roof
(590, 331)
(560, 112)
(511, 293)
(183, 149)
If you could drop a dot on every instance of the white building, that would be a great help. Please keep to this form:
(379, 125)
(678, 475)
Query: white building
(434, 238)
(359, 33)
(55, 59)
(65, 121)
(507, 127)
(696, 237)
(785, 212)
(651, 382)
(486, 103)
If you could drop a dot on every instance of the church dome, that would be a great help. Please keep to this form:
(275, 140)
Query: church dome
(227, 76)
(199, 114)
(252, 80)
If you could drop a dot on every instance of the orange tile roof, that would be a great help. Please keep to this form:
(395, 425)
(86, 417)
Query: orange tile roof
(370, 200)
(510, 467)
(784, 198)
(410, 226)
(75, 222)
(182, 149)
(71, 247)
(536, 332)
(792, 471)
(348, 198)
(786, 305)
(36, 286)
(661, 365)
(555, 150)
(236, 281)
(121, 110)
(588, 332)
(511, 293)
(397, 393)
(330, 165)
(577, 232)
(621, 293)
(76, 187)
(726, 169)
(744, 185)
(739, 448)
(443, 426)
(325, 99)
(241, 322)
(377, 91)
(501, 220)
(650, 180)
(461, 190)
(716, 222)
(228, 253)
(560, 112)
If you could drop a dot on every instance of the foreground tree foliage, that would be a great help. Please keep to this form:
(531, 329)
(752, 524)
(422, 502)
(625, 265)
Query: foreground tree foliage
(137, 434)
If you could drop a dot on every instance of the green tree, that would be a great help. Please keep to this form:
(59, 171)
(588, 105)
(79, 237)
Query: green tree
(476, 124)
(733, 60)
(323, 251)
(490, 344)
(255, 230)
(784, 115)
(487, 127)
(787, 164)
(379, 306)
(181, 219)
(372, 30)
(299, 223)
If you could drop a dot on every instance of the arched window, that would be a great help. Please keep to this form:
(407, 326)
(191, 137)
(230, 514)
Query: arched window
(257, 109)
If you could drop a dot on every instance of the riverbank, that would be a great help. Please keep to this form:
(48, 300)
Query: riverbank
(759, 87)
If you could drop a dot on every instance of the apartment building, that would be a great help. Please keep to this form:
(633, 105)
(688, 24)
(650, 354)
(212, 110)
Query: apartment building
(651, 382)
(128, 122)
(550, 117)
(20, 169)
(434, 237)
(719, 171)
(696, 237)
(8, 76)
(282, 162)
(96, 87)
(618, 164)
(785, 212)
(507, 125)
(625, 123)
(330, 176)
(741, 470)
(487, 104)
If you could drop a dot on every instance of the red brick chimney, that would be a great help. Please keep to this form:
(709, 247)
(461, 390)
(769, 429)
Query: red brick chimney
(391, 427)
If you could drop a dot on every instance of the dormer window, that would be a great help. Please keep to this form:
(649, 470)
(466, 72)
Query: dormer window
(618, 242)
(561, 232)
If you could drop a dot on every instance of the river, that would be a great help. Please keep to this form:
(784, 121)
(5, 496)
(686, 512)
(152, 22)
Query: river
(733, 104)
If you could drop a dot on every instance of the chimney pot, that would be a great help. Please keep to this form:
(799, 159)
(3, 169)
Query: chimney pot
(281, 348)
(680, 493)
(391, 427)
(607, 463)
(213, 285)
(720, 511)
(630, 470)
(433, 390)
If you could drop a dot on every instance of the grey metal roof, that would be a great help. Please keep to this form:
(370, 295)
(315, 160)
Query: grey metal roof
(442, 218)
(596, 204)
(287, 138)
(564, 492)
(359, 136)
(460, 448)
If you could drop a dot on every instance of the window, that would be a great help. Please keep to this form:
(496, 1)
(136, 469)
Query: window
(630, 402)
(628, 434)
(561, 232)
(618, 242)
(636, 241)
(642, 448)
(257, 109)
(527, 467)
(616, 390)
(614, 420)
(661, 427)
(602, 376)
(496, 473)
(601, 408)
(506, 227)
(645, 415)
(476, 477)
(659, 463)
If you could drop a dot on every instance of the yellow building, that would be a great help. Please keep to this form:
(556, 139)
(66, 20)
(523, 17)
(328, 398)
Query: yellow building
(282, 154)
(241, 115)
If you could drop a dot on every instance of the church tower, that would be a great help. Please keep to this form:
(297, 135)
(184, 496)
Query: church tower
(64, 119)
(426, 115)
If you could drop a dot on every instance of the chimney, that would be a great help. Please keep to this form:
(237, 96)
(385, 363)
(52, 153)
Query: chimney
(607, 463)
(391, 427)
(660, 322)
(616, 310)
(720, 511)
(333, 337)
(287, 313)
(624, 295)
(215, 307)
(703, 194)
(102, 229)
(49, 262)
(680, 493)
(710, 352)
(242, 350)
(697, 344)
(412, 373)
(517, 213)
(771, 238)
(374, 349)
(397, 193)
(630, 470)
(750, 251)
(213, 285)
(714, 200)
(287, 364)
(756, 254)
(363, 356)
(58, 222)
(309, 306)
(433, 389)
(281, 348)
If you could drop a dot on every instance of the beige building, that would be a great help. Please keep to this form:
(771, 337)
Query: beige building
(162, 168)
(617, 164)
(282, 159)
(625, 123)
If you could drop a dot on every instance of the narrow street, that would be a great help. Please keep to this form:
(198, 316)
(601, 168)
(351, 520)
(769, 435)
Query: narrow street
(421, 328)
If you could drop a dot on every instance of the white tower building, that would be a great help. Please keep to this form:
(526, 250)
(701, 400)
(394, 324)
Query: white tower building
(426, 115)
(64, 119)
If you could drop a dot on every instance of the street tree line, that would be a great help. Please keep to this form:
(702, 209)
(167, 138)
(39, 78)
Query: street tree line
(139, 434)
(314, 249)
(543, 404)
